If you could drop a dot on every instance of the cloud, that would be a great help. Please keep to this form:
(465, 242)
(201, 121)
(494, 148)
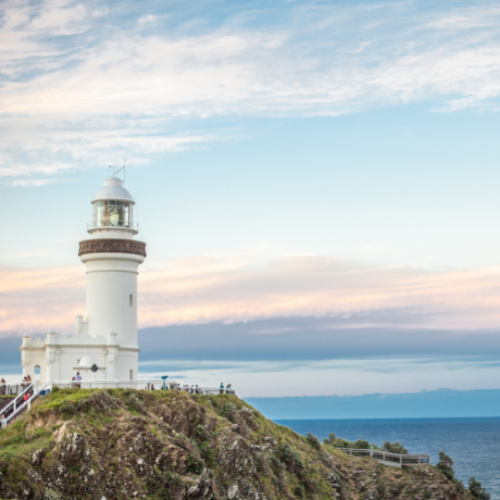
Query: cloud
(82, 77)
(34, 182)
(246, 287)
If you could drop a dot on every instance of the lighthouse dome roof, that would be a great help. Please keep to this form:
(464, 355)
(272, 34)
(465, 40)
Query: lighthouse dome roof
(113, 190)
(87, 361)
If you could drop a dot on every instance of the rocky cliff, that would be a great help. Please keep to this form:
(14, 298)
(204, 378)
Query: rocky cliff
(124, 444)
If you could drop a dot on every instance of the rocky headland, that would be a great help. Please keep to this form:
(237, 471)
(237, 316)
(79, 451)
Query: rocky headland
(126, 444)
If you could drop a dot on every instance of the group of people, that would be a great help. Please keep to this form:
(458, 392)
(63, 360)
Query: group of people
(4, 388)
(76, 381)
(193, 389)
(26, 381)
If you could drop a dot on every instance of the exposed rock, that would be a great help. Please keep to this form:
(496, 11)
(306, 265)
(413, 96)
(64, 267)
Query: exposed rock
(170, 445)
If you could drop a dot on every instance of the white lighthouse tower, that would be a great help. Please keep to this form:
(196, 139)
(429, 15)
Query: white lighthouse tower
(112, 258)
(104, 350)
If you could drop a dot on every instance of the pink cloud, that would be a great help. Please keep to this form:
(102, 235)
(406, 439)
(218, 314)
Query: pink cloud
(197, 290)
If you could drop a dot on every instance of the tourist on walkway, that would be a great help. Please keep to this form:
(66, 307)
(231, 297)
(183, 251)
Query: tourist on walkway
(152, 387)
(221, 388)
(78, 380)
(4, 387)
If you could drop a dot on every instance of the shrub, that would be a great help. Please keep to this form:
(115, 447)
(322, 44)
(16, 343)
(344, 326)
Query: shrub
(298, 492)
(291, 458)
(362, 444)
(314, 441)
(396, 447)
(193, 464)
(445, 465)
(477, 490)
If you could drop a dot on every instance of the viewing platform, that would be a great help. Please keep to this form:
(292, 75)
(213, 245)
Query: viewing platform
(388, 458)
(15, 398)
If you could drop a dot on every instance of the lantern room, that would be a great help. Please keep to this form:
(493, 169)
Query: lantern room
(113, 211)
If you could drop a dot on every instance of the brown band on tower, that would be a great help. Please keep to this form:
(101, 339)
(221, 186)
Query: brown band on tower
(112, 245)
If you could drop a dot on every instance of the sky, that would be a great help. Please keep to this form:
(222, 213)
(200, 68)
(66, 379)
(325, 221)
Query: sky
(316, 182)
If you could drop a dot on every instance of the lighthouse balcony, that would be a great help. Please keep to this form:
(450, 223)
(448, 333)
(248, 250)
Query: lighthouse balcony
(100, 225)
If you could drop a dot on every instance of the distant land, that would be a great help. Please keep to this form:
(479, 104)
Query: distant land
(441, 403)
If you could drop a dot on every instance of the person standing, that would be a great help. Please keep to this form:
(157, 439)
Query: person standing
(221, 388)
(78, 380)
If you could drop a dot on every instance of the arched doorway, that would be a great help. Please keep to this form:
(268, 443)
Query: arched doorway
(36, 373)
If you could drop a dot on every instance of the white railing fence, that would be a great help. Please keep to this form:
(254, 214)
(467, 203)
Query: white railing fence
(137, 384)
(14, 389)
(389, 458)
(13, 409)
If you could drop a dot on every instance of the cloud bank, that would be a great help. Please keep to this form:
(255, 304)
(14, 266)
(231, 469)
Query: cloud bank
(208, 289)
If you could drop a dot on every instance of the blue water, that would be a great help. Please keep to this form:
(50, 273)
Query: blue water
(472, 443)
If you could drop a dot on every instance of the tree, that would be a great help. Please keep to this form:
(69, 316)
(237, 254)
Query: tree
(396, 447)
(477, 490)
(362, 444)
(445, 465)
(314, 441)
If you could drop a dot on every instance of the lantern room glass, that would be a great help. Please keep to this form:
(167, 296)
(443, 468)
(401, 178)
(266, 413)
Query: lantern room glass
(112, 213)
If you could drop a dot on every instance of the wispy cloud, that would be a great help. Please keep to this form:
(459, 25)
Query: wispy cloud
(119, 77)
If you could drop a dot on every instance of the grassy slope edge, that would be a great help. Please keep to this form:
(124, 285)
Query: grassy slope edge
(120, 444)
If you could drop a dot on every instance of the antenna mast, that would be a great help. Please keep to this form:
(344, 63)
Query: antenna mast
(113, 169)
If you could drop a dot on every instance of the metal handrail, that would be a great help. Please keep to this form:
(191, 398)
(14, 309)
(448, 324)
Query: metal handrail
(13, 404)
(13, 389)
(387, 456)
(134, 226)
(26, 404)
(112, 384)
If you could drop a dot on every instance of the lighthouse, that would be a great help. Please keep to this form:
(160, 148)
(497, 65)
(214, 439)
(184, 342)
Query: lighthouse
(112, 258)
(104, 349)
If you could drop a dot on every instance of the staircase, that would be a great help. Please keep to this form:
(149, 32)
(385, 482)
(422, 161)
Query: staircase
(18, 404)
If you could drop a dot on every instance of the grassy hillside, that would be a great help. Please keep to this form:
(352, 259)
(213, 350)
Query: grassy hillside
(121, 444)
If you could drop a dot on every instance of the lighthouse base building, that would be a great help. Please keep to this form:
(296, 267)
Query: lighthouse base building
(104, 349)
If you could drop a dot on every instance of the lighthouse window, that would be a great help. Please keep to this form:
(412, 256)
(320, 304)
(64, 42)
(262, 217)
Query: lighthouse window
(112, 213)
(131, 300)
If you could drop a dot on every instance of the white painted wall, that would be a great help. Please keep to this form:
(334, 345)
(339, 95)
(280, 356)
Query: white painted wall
(111, 282)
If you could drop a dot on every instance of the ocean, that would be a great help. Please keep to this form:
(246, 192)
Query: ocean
(472, 443)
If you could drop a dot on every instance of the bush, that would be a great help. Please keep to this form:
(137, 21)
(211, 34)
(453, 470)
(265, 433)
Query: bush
(362, 444)
(314, 441)
(477, 490)
(291, 458)
(193, 465)
(445, 465)
(396, 447)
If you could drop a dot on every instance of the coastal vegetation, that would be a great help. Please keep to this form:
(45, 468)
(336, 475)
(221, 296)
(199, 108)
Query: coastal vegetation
(170, 445)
